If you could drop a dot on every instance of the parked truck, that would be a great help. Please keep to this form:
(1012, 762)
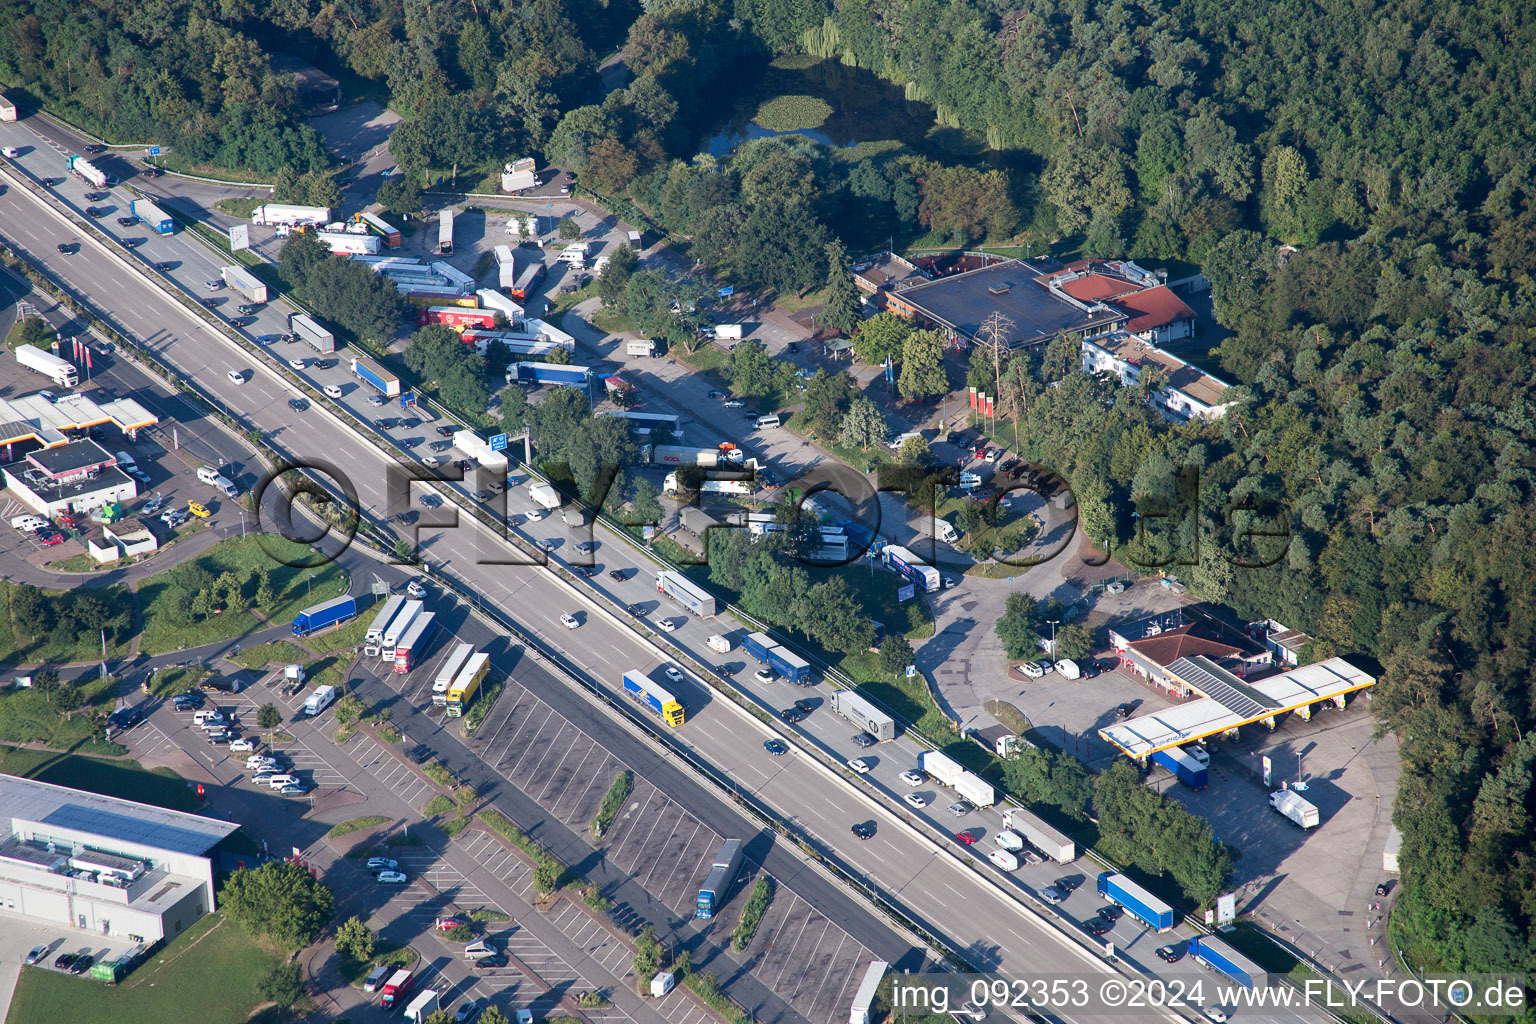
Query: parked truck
(448, 671)
(349, 243)
(309, 331)
(388, 233)
(1186, 768)
(758, 645)
(544, 495)
(863, 1009)
(327, 613)
(1294, 807)
(1139, 903)
(467, 683)
(735, 487)
(413, 646)
(639, 347)
(864, 714)
(790, 665)
(677, 455)
(493, 300)
(399, 626)
(82, 168)
(426, 1001)
(654, 697)
(924, 577)
(527, 279)
(1220, 957)
(275, 214)
(976, 789)
(445, 233)
(457, 316)
(61, 371)
(520, 175)
(385, 616)
(722, 875)
(558, 374)
(8, 109)
(397, 988)
(156, 219)
(942, 529)
(1041, 836)
(506, 266)
(382, 381)
(244, 282)
(322, 698)
(691, 596)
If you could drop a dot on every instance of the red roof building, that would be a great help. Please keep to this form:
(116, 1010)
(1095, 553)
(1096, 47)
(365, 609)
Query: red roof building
(1156, 315)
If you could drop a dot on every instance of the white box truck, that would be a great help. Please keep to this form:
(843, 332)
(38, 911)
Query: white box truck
(720, 643)
(976, 789)
(544, 495)
(1068, 668)
(1043, 837)
(1295, 808)
(931, 526)
(945, 769)
(61, 371)
(639, 347)
(322, 698)
(245, 282)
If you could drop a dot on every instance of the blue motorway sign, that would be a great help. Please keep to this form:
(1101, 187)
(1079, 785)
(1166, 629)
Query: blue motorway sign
(154, 150)
(498, 442)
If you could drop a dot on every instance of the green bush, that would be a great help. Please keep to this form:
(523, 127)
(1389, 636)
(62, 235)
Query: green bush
(752, 914)
(549, 871)
(613, 802)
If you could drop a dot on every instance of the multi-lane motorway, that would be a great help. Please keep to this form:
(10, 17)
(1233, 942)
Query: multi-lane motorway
(904, 864)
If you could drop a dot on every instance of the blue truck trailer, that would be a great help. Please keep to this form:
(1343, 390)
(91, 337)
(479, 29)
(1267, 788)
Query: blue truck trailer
(327, 613)
(380, 379)
(722, 875)
(1218, 956)
(559, 374)
(1142, 905)
(157, 219)
(1185, 767)
(789, 665)
(758, 645)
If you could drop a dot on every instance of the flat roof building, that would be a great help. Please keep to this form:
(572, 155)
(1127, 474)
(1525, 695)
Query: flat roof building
(959, 304)
(77, 476)
(1183, 391)
(103, 865)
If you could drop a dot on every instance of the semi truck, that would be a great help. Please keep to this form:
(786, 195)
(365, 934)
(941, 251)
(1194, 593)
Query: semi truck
(1291, 804)
(322, 698)
(676, 455)
(155, 218)
(493, 300)
(448, 671)
(722, 875)
(382, 381)
(309, 331)
(790, 665)
(274, 214)
(924, 577)
(863, 1009)
(520, 175)
(326, 613)
(348, 243)
(544, 495)
(976, 789)
(397, 988)
(457, 316)
(412, 648)
(863, 714)
(244, 282)
(558, 374)
(506, 266)
(385, 616)
(736, 487)
(941, 529)
(946, 769)
(639, 347)
(8, 110)
(656, 699)
(61, 371)
(1043, 837)
(387, 233)
(1187, 769)
(445, 233)
(398, 626)
(82, 168)
(467, 683)
(678, 587)
(1139, 903)
(1220, 957)
(527, 279)
(758, 645)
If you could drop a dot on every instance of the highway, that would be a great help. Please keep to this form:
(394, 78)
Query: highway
(943, 894)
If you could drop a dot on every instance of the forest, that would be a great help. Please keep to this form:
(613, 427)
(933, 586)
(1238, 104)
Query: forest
(1355, 180)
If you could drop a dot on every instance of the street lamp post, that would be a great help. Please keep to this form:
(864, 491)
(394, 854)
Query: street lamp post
(1053, 623)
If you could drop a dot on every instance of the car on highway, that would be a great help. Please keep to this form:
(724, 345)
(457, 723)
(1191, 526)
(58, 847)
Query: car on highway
(860, 765)
(776, 747)
(1215, 1013)
(376, 400)
(431, 501)
(666, 625)
(164, 267)
(960, 808)
(1170, 954)
(568, 620)
(1096, 926)
(673, 673)
(94, 212)
(863, 740)
(411, 442)
(440, 446)
(297, 404)
(806, 706)
(535, 514)
(391, 878)
(617, 575)
(792, 715)
(864, 830)
(913, 777)
(246, 309)
(69, 248)
(127, 222)
(37, 953)
(447, 430)
(484, 495)
(763, 675)
(968, 837)
(915, 800)
(1051, 894)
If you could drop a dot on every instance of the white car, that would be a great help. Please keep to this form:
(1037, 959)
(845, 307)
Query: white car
(763, 675)
(242, 746)
(666, 625)
(332, 391)
(298, 364)
(1032, 669)
(392, 877)
(236, 376)
(535, 514)
(261, 761)
(1216, 1014)
(673, 673)
(568, 620)
(913, 777)
(430, 460)
(916, 800)
(860, 765)
(415, 591)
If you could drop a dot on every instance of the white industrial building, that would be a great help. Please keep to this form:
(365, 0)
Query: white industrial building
(74, 477)
(102, 865)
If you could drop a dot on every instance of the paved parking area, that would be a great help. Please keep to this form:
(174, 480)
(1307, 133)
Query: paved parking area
(308, 765)
(798, 953)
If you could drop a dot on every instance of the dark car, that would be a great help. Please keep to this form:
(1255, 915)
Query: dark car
(1096, 926)
(464, 465)
(440, 446)
(805, 705)
(82, 963)
(96, 197)
(132, 243)
(95, 211)
(1067, 885)
(1124, 711)
(1090, 670)
(777, 748)
(64, 961)
(419, 753)
(447, 430)
(717, 394)
(618, 575)
(297, 404)
(152, 172)
(69, 248)
(125, 718)
(792, 715)
(864, 830)
(1383, 888)
(792, 348)
(165, 267)
(486, 962)
(93, 148)
(247, 310)
(410, 423)
(411, 442)
(1170, 954)
(128, 221)
(588, 571)
(385, 423)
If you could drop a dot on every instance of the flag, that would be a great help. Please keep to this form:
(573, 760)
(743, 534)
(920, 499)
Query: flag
(87, 357)
(989, 406)
(981, 402)
(890, 371)
(973, 398)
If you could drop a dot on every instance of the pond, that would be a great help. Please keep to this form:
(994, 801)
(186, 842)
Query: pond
(864, 108)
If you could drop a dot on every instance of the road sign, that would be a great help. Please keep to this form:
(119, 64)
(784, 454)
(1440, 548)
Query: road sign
(911, 671)
(498, 442)
(727, 291)
(239, 237)
(906, 593)
(154, 150)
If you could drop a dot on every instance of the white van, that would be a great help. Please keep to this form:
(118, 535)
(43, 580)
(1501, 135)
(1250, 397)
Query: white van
(29, 523)
(207, 474)
(895, 443)
(279, 781)
(969, 481)
(771, 420)
(481, 947)
(1004, 860)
